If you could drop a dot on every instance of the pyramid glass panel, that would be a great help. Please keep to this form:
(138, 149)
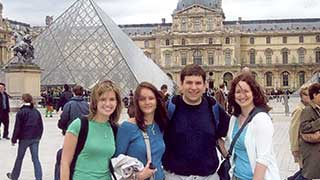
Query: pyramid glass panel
(84, 46)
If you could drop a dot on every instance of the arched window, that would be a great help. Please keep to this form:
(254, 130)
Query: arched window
(197, 57)
(183, 58)
(285, 78)
(269, 79)
(227, 40)
(252, 56)
(227, 56)
(302, 76)
(285, 53)
(268, 54)
(167, 42)
(317, 53)
(301, 54)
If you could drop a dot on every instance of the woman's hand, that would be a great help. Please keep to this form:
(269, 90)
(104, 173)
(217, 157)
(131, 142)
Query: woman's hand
(146, 172)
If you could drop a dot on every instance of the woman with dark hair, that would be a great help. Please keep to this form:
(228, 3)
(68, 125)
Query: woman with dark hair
(150, 117)
(28, 129)
(253, 156)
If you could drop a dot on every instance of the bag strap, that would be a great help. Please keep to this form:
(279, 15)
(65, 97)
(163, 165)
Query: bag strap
(82, 137)
(249, 118)
(148, 148)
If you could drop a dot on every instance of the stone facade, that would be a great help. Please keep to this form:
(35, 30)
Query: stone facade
(5, 39)
(281, 53)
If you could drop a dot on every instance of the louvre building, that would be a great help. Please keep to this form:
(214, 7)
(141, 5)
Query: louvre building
(282, 53)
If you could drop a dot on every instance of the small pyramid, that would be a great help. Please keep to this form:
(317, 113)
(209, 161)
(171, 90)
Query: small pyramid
(84, 46)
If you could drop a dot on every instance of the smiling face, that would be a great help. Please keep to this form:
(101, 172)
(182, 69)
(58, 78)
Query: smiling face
(192, 88)
(243, 95)
(107, 104)
(147, 101)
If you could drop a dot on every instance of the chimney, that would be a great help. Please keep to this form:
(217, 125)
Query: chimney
(163, 20)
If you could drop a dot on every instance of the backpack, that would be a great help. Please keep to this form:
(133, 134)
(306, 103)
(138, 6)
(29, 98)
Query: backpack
(213, 105)
(82, 137)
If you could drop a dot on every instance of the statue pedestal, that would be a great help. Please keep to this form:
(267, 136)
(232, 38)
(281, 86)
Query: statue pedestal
(20, 79)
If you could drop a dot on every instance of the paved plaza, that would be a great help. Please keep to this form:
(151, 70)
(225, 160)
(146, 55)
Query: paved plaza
(52, 140)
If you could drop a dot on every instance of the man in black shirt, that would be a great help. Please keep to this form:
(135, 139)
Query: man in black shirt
(4, 110)
(191, 138)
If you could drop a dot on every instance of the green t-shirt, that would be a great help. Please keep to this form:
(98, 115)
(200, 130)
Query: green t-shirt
(93, 161)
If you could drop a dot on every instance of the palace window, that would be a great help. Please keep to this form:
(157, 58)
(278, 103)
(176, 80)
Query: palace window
(269, 79)
(284, 40)
(210, 40)
(302, 76)
(301, 39)
(285, 78)
(197, 25)
(318, 38)
(252, 56)
(210, 58)
(167, 42)
(183, 58)
(197, 57)
(183, 42)
(301, 54)
(268, 39)
(227, 57)
(268, 54)
(167, 57)
(227, 40)
(251, 40)
(318, 55)
(284, 56)
(209, 24)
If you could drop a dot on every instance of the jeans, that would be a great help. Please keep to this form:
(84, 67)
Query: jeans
(33, 145)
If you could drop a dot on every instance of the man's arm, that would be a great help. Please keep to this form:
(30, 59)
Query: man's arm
(311, 137)
(64, 117)
(223, 123)
(309, 125)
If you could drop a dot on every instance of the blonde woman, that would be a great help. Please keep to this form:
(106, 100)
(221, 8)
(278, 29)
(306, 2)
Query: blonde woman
(93, 161)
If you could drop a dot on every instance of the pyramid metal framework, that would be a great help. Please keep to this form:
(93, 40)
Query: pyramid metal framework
(84, 46)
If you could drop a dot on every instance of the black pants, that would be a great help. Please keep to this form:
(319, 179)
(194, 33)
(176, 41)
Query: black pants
(4, 119)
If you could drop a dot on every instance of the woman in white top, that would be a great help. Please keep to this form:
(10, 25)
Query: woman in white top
(253, 156)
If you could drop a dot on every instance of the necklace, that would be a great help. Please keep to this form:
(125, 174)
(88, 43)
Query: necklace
(152, 130)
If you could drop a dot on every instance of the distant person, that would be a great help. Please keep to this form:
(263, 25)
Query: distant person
(49, 103)
(310, 133)
(64, 97)
(164, 93)
(77, 107)
(286, 104)
(28, 130)
(4, 111)
(253, 156)
(220, 96)
(294, 134)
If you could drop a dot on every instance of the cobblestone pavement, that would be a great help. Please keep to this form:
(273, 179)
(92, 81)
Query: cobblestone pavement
(52, 140)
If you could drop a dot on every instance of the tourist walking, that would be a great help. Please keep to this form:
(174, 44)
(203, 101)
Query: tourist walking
(294, 134)
(92, 162)
(151, 119)
(4, 111)
(193, 130)
(65, 97)
(310, 133)
(28, 130)
(253, 156)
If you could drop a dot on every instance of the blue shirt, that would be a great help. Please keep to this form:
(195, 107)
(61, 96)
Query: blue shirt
(242, 168)
(130, 142)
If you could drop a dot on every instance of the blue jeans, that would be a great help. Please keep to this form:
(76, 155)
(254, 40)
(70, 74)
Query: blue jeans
(33, 145)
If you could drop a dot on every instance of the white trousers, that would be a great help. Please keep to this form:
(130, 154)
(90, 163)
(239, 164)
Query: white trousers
(172, 176)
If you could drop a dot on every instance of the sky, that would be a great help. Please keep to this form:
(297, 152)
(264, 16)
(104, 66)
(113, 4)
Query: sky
(151, 11)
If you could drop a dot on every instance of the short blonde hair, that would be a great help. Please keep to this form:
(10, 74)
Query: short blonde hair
(97, 91)
(303, 88)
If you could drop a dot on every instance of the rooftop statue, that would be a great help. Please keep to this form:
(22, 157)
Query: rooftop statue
(24, 50)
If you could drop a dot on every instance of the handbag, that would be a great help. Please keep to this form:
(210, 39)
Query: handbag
(225, 166)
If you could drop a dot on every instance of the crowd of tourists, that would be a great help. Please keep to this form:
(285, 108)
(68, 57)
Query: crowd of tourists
(191, 135)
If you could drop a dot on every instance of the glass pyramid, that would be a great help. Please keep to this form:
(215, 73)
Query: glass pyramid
(84, 46)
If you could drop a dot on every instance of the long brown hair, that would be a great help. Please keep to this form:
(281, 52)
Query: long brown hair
(160, 116)
(259, 98)
(97, 91)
